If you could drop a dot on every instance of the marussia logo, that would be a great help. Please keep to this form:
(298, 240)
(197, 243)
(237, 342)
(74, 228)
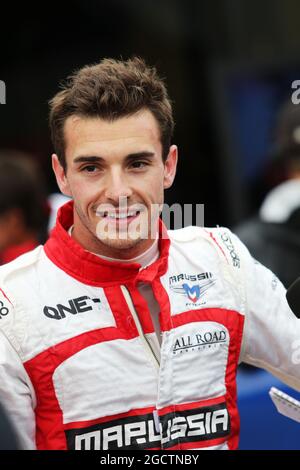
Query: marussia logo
(193, 291)
(139, 432)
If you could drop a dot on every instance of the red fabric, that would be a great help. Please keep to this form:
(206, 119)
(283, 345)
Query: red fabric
(50, 428)
(107, 419)
(234, 322)
(88, 268)
(49, 421)
(69, 256)
(198, 444)
(215, 241)
(142, 309)
(191, 406)
(122, 315)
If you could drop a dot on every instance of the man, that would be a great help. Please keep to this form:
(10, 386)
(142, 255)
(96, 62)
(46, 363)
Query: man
(117, 334)
(23, 208)
(273, 234)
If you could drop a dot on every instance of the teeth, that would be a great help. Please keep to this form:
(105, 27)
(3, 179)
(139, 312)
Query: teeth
(119, 216)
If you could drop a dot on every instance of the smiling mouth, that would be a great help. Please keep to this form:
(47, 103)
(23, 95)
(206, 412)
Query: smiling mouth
(119, 216)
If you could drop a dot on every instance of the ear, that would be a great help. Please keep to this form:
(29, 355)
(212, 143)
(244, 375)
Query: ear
(61, 177)
(170, 167)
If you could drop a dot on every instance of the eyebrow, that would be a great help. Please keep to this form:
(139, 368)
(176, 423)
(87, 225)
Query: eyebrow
(97, 159)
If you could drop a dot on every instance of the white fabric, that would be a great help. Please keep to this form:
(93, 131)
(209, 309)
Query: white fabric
(144, 259)
(281, 202)
(271, 335)
(68, 381)
(16, 388)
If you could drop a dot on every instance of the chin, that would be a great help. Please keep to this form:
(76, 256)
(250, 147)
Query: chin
(124, 244)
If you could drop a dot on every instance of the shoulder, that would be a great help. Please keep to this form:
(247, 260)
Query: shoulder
(20, 265)
(221, 241)
(16, 280)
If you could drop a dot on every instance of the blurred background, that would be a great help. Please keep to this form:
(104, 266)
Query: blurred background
(229, 68)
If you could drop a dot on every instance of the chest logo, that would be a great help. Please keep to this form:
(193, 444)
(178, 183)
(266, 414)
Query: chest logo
(193, 293)
(192, 286)
(75, 306)
(200, 341)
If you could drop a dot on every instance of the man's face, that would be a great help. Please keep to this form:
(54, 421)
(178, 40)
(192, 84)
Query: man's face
(116, 176)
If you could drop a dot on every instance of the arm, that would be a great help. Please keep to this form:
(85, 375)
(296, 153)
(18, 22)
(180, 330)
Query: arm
(17, 394)
(271, 338)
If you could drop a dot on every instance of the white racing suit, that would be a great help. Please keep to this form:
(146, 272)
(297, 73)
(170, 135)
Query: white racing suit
(80, 363)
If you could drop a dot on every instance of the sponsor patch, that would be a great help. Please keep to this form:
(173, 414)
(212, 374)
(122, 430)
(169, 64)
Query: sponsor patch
(75, 306)
(192, 286)
(199, 341)
(201, 424)
(227, 242)
(139, 432)
(131, 432)
(4, 310)
(5, 305)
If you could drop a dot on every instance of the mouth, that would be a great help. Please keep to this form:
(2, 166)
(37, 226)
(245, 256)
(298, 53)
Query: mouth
(119, 217)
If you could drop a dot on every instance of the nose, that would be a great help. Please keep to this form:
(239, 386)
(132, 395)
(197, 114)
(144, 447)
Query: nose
(117, 186)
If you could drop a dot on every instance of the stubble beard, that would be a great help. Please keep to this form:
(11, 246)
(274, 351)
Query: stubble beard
(103, 242)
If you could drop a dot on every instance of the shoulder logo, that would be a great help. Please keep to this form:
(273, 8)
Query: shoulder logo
(227, 242)
(3, 310)
(4, 307)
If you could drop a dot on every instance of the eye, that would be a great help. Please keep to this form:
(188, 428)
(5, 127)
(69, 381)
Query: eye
(137, 165)
(89, 168)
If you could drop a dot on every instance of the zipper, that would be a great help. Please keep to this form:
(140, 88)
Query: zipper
(147, 346)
